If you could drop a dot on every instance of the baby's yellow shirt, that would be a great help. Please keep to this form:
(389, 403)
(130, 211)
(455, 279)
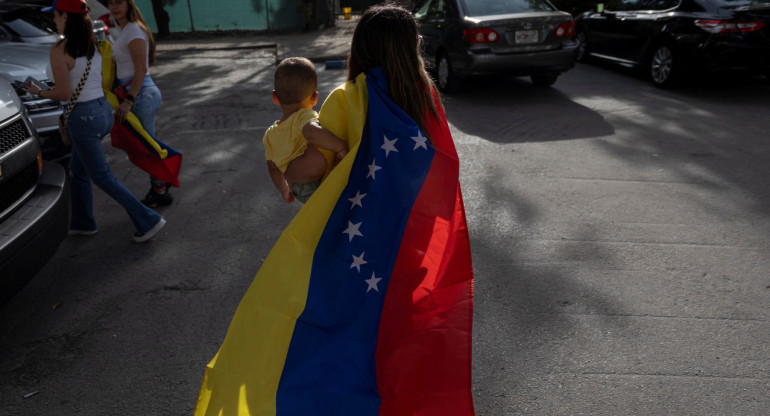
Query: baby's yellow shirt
(284, 141)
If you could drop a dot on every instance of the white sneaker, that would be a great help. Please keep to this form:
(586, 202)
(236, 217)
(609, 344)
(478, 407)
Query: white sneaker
(142, 237)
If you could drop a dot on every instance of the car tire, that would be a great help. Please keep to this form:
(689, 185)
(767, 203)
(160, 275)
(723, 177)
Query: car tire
(544, 80)
(446, 80)
(664, 65)
(582, 47)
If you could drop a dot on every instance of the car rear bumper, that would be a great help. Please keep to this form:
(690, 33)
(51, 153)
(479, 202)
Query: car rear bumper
(735, 55)
(519, 64)
(33, 233)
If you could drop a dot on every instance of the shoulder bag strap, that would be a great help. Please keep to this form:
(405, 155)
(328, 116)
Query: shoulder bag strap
(76, 93)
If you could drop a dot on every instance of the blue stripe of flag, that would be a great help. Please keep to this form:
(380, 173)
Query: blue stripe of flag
(330, 367)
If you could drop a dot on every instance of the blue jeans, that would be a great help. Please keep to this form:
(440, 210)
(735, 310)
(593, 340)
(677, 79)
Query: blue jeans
(145, 108)
(88, 123)
(146, 103)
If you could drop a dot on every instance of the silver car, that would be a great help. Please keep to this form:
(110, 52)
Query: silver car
(25, 22)
(464, 38)
(17, 62)
(34, 198)
(22, 22)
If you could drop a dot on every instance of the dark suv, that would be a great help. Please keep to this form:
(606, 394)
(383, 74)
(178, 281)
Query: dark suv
(34, 198)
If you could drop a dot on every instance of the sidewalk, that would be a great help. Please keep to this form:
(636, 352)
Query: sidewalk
(327, 44)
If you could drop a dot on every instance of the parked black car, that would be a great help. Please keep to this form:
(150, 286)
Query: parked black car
(669, 38)
(464, 38)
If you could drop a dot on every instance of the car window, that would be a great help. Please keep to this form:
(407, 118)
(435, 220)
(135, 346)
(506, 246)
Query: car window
(437, 9)
(26, 24)
(422, 9)
(433, 9)
(622, 5)
(493, 7)
(657, 4)
(736, 3)
(628, 5)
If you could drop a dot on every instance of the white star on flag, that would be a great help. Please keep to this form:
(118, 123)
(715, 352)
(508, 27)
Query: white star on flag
(358, 261)
(373, 168)
(352, 230)
(373, 283)
(356, 200)
(389, 146)
(420, 141)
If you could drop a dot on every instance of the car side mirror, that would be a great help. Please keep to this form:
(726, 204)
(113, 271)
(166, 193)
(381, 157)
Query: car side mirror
(600, 8)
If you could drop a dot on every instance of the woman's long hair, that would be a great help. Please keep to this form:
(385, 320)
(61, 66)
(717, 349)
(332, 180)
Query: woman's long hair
(79, 39)
(387, 36)
(134, 15)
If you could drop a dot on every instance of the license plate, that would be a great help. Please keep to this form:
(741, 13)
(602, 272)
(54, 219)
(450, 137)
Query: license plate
(526, 36)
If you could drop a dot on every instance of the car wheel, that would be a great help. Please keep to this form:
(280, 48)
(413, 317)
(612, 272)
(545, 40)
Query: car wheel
(582, 47)
(664, 65)
(544, 80)
(445, 77)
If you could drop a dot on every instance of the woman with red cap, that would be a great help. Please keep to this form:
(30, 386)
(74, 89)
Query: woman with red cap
(75, 66)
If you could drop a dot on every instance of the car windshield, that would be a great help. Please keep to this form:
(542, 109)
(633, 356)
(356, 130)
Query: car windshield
(26, 23)
(493, 7)
(738, 3)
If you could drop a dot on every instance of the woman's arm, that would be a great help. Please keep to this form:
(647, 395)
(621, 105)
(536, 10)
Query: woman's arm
(138, 50)
(61, 76)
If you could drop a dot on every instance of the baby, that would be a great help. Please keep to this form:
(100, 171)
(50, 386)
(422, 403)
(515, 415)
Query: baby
(295, 164)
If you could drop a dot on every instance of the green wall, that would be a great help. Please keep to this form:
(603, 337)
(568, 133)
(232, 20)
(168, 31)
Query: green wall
(209, 15)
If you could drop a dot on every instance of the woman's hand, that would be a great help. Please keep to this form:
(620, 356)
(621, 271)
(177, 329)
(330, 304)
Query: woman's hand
(123, 109)
(33, 89)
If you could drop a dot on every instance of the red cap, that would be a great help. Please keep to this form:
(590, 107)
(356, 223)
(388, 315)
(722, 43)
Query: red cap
(72, 6)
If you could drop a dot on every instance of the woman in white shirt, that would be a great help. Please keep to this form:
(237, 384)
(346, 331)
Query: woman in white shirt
(90, 120)
(134, 52)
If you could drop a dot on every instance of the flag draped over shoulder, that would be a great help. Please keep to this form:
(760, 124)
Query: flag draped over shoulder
(143, 150)
(364, 305)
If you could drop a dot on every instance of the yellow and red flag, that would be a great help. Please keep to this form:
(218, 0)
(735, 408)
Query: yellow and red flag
(143, 150)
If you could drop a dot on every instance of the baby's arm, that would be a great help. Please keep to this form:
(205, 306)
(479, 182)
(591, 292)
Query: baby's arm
(320, 137)
(280, 181)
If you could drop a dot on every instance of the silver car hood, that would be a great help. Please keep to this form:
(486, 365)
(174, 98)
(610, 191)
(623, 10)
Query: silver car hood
(10, 104)
(20, 60)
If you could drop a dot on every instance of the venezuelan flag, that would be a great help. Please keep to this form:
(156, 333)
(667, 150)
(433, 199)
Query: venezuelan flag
(143, 150)
(364, 305)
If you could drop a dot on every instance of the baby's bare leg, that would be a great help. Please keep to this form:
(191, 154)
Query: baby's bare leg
(307, 168)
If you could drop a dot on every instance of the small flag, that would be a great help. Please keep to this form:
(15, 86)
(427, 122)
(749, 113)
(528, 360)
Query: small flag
(143, 150)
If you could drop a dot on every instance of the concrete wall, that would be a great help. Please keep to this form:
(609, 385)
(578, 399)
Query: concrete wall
(210, 15)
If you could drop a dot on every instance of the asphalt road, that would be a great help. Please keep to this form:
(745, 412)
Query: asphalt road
(620, 238)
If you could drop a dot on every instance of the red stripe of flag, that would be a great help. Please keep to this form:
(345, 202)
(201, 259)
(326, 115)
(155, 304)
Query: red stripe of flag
(428, 309)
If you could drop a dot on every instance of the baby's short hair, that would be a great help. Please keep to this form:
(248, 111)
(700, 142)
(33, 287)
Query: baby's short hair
(295, 80)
